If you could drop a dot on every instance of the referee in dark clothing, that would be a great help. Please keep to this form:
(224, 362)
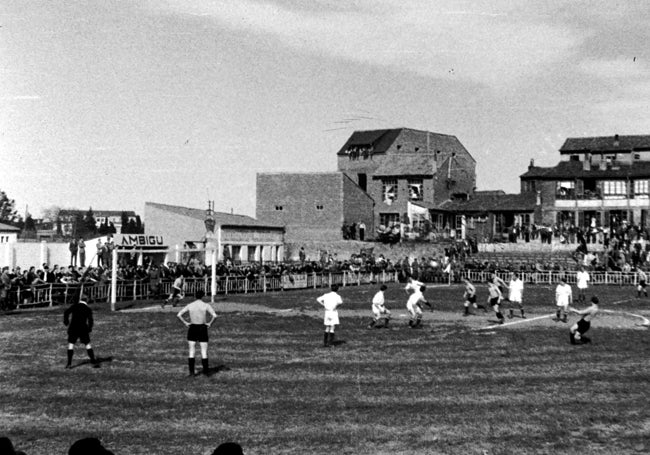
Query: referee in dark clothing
(79, 320)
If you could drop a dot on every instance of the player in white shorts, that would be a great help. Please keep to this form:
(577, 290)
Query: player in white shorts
(330, 301)
(516, 294)
(582, 280)
(415, 285)
(563, 298)
(379, 309)
(414, 308)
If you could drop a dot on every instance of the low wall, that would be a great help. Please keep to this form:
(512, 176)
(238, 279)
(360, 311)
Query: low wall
(535, 247)
(28, 254)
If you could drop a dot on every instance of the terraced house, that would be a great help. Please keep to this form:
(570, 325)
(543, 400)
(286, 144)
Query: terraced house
(600, 182)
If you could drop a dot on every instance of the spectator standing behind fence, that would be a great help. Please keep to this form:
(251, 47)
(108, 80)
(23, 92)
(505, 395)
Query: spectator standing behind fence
(82, 252)
(5, 286)
(73, 247)
(100, 253)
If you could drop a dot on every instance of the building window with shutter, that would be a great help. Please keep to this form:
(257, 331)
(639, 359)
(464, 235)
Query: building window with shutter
(389, 190)
(565, 190)
(415, 189)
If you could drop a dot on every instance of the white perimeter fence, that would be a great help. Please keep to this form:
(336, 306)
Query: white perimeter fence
(133, 290)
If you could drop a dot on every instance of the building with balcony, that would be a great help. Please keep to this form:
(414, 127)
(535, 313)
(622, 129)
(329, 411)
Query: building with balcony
(600, 182)
(401, 166)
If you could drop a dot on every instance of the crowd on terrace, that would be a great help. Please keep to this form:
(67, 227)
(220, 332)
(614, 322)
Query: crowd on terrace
(625, 248)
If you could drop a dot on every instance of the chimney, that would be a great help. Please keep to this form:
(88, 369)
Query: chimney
(532, 164)
(616, 141)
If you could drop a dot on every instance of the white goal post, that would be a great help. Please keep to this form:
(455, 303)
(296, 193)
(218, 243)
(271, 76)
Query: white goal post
(176, 253)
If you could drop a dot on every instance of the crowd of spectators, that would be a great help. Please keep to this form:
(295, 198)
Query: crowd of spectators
(624, 249)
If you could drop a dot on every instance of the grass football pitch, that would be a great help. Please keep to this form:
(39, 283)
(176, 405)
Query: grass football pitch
(456, 386)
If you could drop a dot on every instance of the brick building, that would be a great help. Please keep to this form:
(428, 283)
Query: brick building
(398, 166)
(313, 205)
(600, 182)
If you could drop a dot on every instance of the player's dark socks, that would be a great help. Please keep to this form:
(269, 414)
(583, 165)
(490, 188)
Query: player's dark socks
(511, 314)
(523, 316)
(206, 366)
(572, 338)
(190, 364)
(70, 354)
(411, 322)
(385, 326)
(91, 355)
(331, 340)
(466, 311)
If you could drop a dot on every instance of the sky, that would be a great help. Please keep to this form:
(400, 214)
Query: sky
(116, 103)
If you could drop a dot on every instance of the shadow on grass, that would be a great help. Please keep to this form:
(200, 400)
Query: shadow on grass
(213, 370)
(98, 362)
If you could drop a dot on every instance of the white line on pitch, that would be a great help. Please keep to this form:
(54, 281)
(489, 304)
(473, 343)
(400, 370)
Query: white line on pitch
(516, 322)
(646, 322)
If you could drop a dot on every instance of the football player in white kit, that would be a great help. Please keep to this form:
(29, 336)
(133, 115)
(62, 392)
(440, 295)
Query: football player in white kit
(330, 301)
(516, 295)
(379, 309)
(414, 308)
(563, 298)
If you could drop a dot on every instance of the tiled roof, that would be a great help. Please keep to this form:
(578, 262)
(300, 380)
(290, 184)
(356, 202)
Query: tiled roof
(220, 218)
(603, 144)
(381, 141)
(7, 227)
(574, 170)
(481, 203)
(407, 164)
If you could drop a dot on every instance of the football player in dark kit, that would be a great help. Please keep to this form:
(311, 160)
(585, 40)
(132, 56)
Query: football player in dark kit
(79, 320)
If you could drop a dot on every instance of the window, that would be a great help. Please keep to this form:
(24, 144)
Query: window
(319, 207)
(529, 186)
(388, 219)
(615, 188)
(278, 208)
(641, 188)
(415, 189)
(389, 190)
(565, 190)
